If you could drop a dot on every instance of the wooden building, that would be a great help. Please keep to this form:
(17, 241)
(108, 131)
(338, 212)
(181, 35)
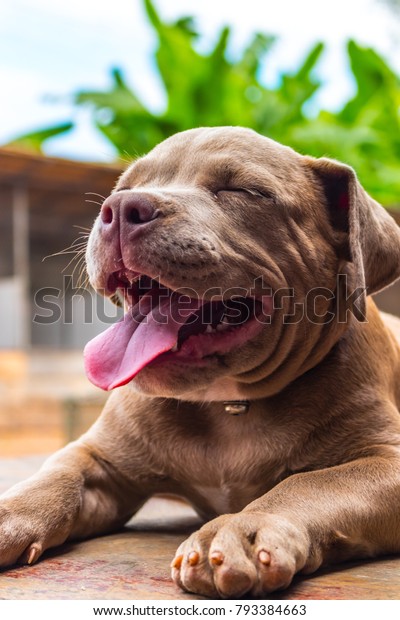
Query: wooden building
(45, 205)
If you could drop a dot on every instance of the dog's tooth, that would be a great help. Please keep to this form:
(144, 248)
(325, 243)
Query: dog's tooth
(174, 348)
(209, 329)
(222, 327)
(132, 281)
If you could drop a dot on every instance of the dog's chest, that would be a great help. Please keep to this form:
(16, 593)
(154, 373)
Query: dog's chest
(230, 486)
(223, 498)
(225, 471)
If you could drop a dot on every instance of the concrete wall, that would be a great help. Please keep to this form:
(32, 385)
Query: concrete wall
(11, 314)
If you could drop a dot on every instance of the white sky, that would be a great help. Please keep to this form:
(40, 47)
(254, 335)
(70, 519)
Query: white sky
(54, 47)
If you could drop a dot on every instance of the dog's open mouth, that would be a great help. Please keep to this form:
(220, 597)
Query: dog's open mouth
(165, 325)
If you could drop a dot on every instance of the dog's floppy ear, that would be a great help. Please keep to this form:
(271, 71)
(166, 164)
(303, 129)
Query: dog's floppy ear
(371, 236)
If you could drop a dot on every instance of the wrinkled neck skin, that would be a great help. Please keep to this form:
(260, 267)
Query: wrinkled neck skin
(298, 350)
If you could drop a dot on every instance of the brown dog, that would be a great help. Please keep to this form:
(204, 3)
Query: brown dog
(244, 269)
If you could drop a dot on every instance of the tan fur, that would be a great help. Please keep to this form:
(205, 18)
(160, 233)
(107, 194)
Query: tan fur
(311, 475)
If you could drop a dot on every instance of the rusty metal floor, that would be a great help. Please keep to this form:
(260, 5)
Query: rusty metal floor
(134, 563)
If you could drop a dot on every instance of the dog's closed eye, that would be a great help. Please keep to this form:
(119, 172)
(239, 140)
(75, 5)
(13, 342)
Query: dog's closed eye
(245, 190)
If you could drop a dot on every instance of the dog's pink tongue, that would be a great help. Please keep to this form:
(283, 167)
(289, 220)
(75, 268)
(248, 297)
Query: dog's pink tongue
(114, 357)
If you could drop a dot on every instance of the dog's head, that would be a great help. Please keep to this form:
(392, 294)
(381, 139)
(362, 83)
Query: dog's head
(225, 248)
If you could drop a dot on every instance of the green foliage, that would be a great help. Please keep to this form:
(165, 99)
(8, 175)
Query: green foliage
(213, 89)
(33, 141)
(366, 132)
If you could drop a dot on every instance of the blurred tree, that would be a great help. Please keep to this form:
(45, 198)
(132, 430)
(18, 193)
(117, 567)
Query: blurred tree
(34, 141)
(212, 89)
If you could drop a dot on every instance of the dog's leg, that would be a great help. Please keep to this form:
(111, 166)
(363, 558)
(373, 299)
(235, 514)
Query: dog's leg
(76, 494)
(309, 519)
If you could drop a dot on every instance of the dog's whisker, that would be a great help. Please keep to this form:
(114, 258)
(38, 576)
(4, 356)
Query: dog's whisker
(70, 250)
(95, 202)
(70, 283)
(78, 256)
(83, 281)
(82, 228)
(83, 278)
(95, 194)
(76, 245)
(77, 249)
(83, 235)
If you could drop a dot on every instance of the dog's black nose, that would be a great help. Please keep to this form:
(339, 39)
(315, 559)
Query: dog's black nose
(127, 209)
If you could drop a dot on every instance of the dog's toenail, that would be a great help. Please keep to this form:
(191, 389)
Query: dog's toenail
(34, 552)
(193, 558)
(264, 557)
(177, 561)
(216, 558)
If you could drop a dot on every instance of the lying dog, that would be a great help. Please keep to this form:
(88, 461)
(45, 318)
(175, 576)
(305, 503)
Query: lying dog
(244, 269)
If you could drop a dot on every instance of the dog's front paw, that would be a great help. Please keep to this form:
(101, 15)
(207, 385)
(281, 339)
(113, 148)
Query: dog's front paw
(232, 555)
(33, 520)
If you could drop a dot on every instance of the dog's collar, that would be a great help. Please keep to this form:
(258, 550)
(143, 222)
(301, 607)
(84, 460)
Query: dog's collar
(236, 407)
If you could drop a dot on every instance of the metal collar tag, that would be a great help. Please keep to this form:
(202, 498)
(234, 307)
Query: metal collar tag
(236, 407)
